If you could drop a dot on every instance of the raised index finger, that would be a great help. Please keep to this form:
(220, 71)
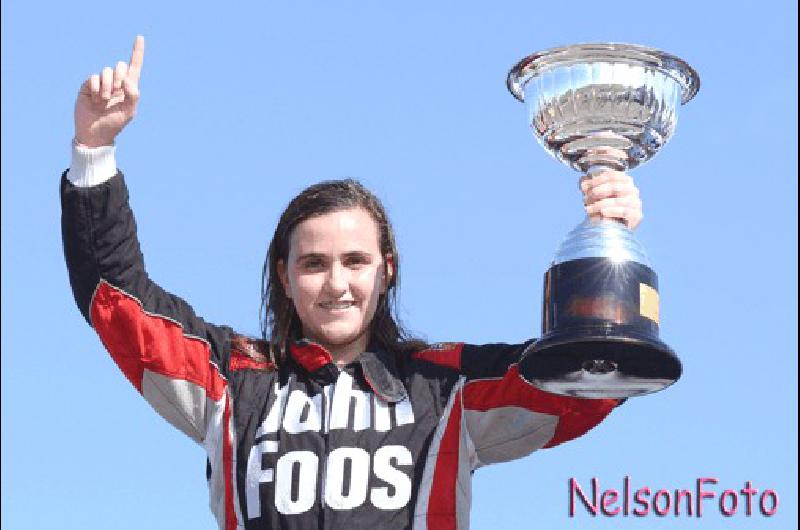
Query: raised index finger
(137, 57)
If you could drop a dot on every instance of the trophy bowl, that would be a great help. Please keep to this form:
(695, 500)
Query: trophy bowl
(608, 105)
(597, 106)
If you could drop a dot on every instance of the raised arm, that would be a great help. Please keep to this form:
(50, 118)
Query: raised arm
(173, 358)
(506, 416)
(499, 415)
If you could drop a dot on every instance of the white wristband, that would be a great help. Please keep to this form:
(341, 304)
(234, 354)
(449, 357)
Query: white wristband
(91, 165)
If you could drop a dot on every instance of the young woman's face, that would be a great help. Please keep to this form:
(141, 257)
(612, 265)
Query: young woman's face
(334, 275)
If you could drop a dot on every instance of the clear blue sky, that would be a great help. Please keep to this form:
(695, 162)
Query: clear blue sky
(244, 104)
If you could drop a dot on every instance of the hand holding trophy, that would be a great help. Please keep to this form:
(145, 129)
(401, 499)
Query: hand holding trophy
(595, 107)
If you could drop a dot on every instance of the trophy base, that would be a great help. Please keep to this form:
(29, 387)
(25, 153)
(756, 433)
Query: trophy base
(595, 365)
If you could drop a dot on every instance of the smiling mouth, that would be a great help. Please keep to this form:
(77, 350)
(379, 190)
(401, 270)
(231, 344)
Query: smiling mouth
(337, 306)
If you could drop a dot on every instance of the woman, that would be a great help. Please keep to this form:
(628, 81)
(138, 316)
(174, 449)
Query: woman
(336, 419)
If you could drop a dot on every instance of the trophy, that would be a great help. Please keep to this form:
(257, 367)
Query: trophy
(596, 106)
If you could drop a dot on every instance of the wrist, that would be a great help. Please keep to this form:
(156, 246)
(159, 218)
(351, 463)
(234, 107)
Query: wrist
(91, 165)
(92, 142)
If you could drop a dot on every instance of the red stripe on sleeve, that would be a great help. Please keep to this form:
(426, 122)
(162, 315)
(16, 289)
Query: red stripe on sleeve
(137, 341)
(447, 355)
(227, 464)
(576, 415)
(241, 361)
(442, 502)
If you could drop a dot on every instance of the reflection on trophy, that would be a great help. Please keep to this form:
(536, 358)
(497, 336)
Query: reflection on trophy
(596, 106)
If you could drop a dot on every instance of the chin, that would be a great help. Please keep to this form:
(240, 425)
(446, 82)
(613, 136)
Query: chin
(340, 337)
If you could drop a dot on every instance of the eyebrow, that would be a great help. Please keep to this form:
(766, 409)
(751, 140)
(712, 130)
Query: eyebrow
(309, 255)
(318, 255)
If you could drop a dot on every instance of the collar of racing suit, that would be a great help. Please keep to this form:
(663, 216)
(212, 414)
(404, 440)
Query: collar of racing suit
(379, 368)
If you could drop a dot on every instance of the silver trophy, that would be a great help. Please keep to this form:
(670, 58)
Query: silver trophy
(596, 106)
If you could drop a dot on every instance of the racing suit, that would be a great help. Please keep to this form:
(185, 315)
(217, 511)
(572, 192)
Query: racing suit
(389, 441)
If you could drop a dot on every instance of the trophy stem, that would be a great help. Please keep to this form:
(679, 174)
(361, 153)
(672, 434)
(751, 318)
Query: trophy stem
(596, 167)
(613, 159)
(601, 238)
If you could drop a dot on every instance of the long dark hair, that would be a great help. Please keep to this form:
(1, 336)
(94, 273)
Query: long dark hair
(279, 321)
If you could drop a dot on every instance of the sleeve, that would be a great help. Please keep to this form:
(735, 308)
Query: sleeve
(169, 354)
(506, 417)
(91, 165)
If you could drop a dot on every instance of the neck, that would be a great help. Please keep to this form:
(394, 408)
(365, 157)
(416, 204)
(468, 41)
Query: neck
(344, 358)
(344, 354)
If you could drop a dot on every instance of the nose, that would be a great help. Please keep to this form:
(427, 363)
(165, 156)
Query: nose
(337, 279)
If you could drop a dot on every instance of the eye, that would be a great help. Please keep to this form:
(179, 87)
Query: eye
(312, 264)
(356, 261)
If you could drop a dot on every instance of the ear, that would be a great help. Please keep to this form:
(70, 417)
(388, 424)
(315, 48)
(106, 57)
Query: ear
(283, 276)
(388, 273)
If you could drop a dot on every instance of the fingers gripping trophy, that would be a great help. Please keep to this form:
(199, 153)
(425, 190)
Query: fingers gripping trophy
(596, 107)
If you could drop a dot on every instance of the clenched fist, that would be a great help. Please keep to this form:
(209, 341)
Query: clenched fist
(107, 101)
(610, 194)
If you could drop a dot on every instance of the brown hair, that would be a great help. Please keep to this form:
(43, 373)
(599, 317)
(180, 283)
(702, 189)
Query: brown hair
(279, 321)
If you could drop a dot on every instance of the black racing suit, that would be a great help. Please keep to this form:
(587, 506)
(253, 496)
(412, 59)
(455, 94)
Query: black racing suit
(388, 442)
